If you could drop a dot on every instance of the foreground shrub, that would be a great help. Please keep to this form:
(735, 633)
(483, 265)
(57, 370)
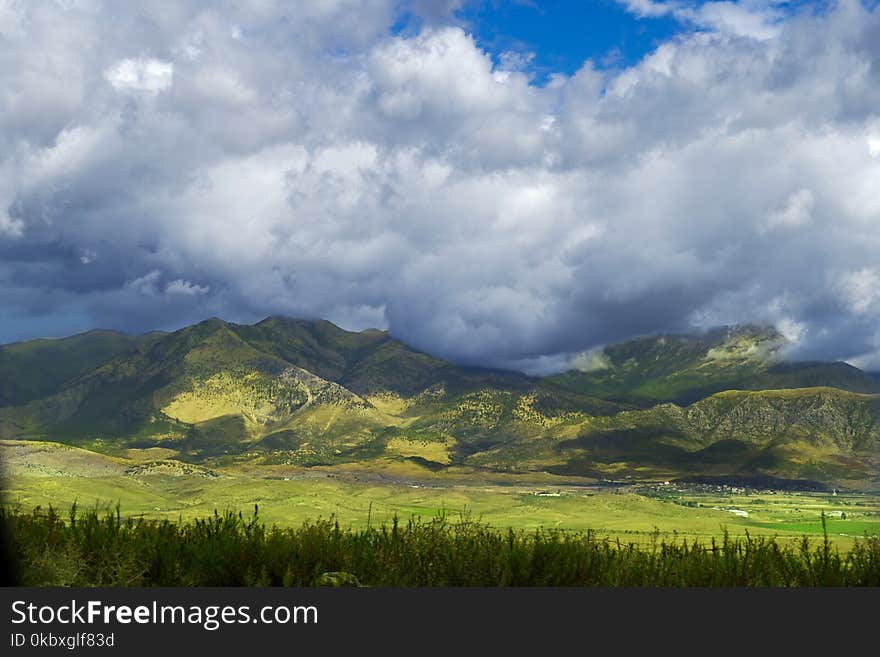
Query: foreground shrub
(93, 549)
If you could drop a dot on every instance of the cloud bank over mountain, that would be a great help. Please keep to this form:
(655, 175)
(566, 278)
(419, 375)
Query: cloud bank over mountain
(164, 163)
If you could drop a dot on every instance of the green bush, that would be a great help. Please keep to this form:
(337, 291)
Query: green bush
(92, 549)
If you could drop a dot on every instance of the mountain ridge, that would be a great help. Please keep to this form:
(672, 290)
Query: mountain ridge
(684, 369)
(307, 392)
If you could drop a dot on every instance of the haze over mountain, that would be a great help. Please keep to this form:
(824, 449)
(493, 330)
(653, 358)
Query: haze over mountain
(307, 392)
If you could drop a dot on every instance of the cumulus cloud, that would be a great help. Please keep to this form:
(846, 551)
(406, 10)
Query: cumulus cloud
(241, 159)
(146, 285)
(756, 19)
(797, 211)
(186, 288)
(149, 75)
(860, 290)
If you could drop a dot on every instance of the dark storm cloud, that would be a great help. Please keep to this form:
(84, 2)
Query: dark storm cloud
(185, 159)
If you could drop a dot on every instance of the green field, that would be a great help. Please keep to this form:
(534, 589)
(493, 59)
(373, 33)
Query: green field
(50, 474)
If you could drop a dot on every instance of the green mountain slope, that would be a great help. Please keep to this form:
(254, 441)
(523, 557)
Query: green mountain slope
(38, 368)
(811, 433)
(685, 368)
(367, 362)
(305, 393)
(217, 389)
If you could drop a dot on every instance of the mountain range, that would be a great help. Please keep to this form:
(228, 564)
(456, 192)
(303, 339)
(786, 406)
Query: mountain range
(284, 391)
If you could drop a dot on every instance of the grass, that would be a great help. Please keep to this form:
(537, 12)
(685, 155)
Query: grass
(105, 549)
(431, 450)
(534, 529)
(49, 474)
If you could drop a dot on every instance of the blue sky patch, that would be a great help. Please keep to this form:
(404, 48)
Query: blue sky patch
(562, 34)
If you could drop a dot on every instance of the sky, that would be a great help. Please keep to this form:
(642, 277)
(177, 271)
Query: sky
(498, 183)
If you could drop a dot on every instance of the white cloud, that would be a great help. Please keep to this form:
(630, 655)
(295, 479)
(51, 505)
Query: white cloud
(9, 227)
(590, 361)
(793, 331)
(756, 19)
(797, 211)
(186, 288)
(10, 19)
(221, 85)
(648, 8)
(512, 60)
(147, 75)
(321, 165)
(146, 285)
(860, 290)
(874, 146)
